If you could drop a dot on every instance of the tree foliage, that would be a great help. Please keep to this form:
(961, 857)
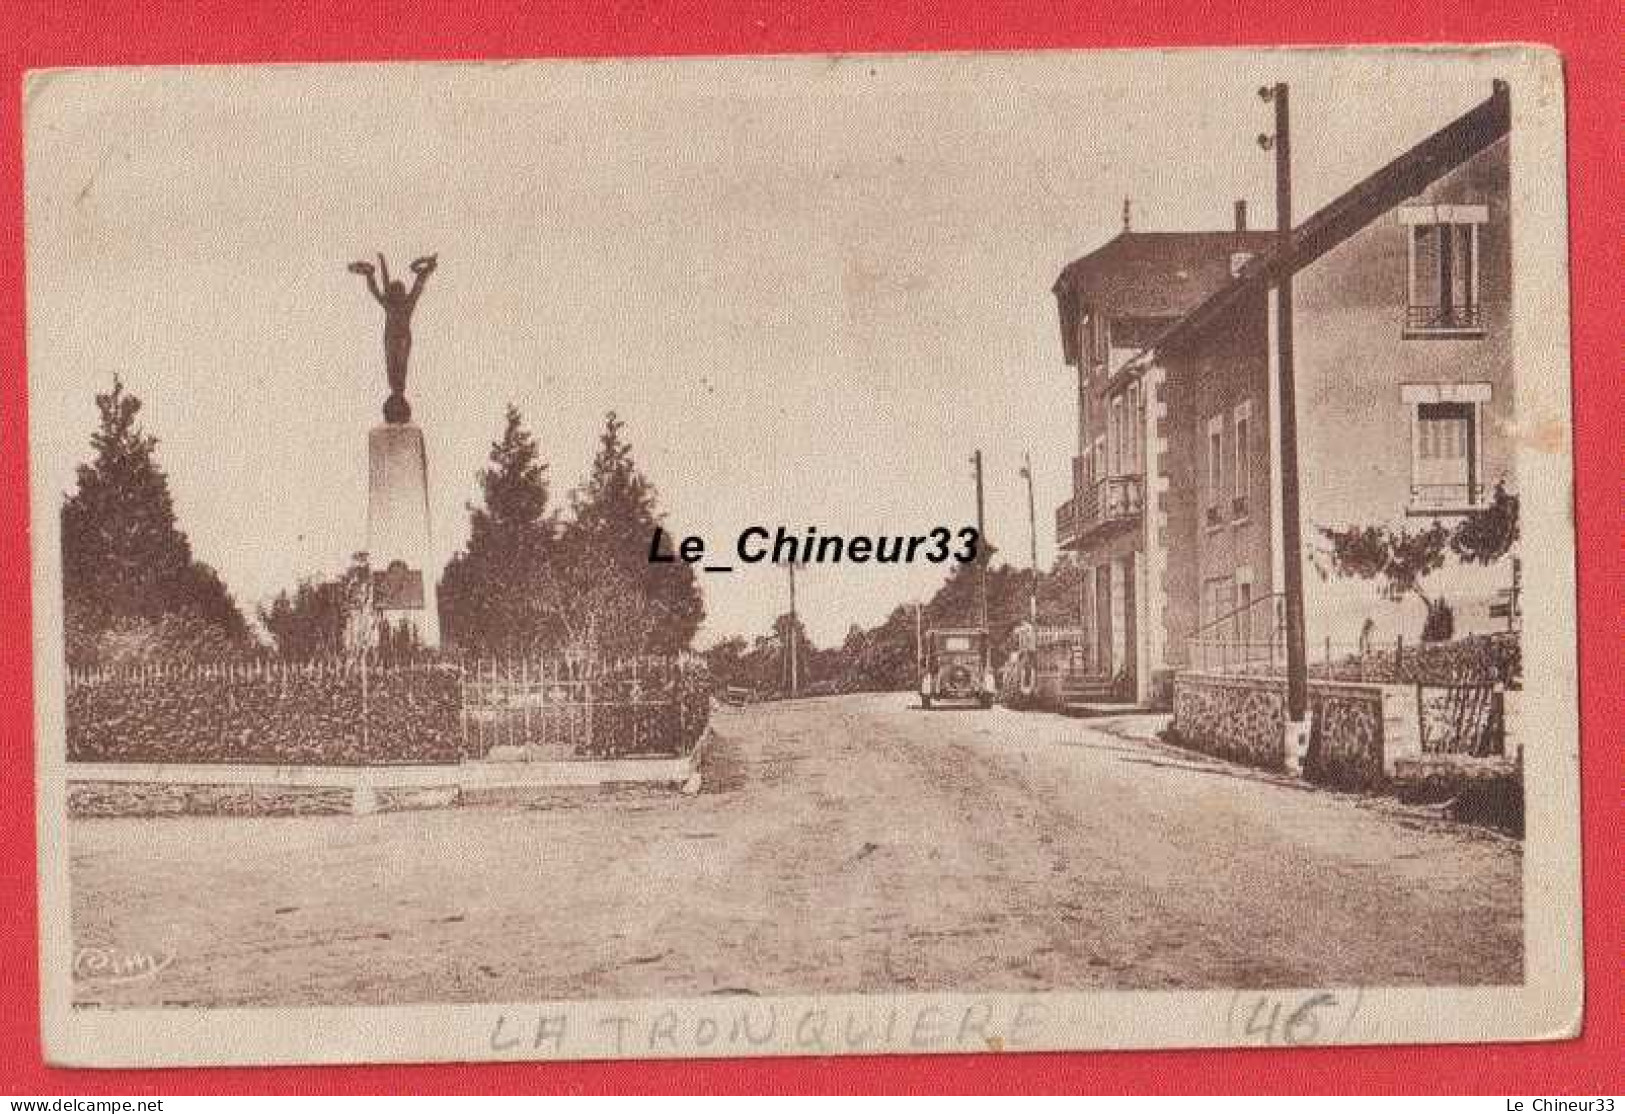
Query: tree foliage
(493, 592)
(1400, 560)
(884, 657)
(1484, 538)
(309, 622)
(607, 593)
(527, 582)
(131, 586)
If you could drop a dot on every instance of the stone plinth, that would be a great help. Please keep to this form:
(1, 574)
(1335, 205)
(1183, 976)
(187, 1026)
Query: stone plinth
(398, 537)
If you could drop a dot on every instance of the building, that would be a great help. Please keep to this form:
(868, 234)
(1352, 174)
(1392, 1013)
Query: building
(1114, 302)
(1404, 383)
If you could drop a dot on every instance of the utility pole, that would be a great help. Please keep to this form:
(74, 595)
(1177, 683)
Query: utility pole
(919, 637)
(981, 532)
(1032, 536)
(794, 629)
(1297, 665)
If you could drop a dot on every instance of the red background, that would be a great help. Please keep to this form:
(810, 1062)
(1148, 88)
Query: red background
(39, 33)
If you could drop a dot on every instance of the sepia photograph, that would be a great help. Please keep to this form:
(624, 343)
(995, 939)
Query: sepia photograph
(802, 556)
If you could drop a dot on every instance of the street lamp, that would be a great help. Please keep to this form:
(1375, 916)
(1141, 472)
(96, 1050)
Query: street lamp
(1032, 535)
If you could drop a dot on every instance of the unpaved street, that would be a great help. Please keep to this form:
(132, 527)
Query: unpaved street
(846, 844)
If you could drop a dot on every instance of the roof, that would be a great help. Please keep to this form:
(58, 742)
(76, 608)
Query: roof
(1378, 193)
(1152, 276)
(1158, 252)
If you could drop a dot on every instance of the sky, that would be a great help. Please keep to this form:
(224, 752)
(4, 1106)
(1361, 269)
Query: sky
(810, 287)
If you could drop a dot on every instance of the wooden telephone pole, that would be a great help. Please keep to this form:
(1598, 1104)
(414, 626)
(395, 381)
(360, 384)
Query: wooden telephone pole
(1297, 663)
(1032, 536)
(795, 630)
(981, 532)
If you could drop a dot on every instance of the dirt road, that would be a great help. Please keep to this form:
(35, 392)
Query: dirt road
(847, 844)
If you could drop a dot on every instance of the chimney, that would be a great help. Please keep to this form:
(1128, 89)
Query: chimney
(1241, 216)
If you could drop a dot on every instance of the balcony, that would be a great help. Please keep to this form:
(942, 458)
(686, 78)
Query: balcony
(1443, 321)
(1094, 510)
(1437, 500)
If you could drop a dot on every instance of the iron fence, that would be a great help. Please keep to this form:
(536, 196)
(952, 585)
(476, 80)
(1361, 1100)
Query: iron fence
(345, 711)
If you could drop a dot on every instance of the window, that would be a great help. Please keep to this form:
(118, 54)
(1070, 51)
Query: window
(1244, 603)
(1446, 446)
(1442, 269)
(1215, 469)
(1132, 428)
(1244, 464)
(1219, 602)
(1124, 427)
(1094, 338)
(1118, 446)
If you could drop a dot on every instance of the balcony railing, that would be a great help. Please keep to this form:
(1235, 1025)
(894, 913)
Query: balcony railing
(1445, 498)
(1443, 320)
(1110, 501)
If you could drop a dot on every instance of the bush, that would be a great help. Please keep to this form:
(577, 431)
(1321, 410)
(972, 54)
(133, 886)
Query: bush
(273, 714)
(1440, 625)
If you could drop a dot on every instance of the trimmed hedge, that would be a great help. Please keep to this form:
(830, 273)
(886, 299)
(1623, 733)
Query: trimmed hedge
(1478, 659)
(279, 715)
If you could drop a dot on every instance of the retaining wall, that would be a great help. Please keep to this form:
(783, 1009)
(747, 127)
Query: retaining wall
(1358, 732)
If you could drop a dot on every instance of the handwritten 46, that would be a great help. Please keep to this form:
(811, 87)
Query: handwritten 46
(1289, 1020)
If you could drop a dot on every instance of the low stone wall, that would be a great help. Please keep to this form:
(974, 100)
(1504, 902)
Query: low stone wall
(1239, 718)
(181, 789)
(1357, 731)
(136, 798)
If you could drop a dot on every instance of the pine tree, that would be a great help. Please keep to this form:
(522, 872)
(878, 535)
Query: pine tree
(497, 595)
(618, 601)
(126, 565)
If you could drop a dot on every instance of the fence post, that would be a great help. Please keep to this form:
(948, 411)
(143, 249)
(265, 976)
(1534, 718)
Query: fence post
(524, 685)
(587, 695)
(462, 708)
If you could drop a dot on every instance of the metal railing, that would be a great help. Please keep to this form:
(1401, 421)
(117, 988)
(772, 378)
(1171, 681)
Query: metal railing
(1446, 496)
(560, 708)
(1242, 640)
(1443, 319)
(1113, 499)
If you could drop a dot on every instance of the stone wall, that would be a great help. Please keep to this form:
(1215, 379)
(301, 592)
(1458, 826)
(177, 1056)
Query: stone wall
(1357, 732)
(1240, 718)
(1345, 736)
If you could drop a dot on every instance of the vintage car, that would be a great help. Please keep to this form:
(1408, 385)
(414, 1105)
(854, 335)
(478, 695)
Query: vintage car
(956, 668)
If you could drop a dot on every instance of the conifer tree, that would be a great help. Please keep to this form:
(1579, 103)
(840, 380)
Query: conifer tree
(126, 565)
(618, 602)
(496, 594)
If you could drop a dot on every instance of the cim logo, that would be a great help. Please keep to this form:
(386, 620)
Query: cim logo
(114, 965)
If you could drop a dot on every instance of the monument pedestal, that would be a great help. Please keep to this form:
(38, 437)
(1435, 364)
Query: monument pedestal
(398, 539)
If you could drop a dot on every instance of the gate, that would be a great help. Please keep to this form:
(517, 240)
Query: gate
(556, 709)
(1466, 719)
